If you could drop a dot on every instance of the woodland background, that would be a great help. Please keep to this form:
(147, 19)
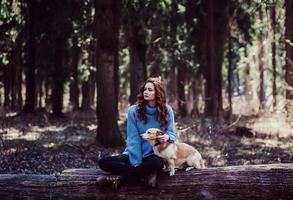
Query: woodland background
(70, 68)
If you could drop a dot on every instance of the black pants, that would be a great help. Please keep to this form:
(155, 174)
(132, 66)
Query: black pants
(120, 165)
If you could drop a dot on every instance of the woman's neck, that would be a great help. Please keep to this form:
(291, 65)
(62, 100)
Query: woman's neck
(152, 103)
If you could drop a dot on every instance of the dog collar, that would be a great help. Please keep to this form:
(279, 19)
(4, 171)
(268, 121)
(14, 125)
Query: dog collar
(157, 143)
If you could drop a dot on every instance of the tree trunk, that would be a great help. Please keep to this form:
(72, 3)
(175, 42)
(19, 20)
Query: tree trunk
(182, 108)
(74, 90)
(136, 36)
(48, 98)
(266, 182)
(19, 87)
(85, 104)
(195, 92)
(7, 86)
(261, 94)
(172, 91)
(59, 77)
(117, 23)
(108, 133)
(93, 74)
(30, 100)
(13, 67)
(247, 82)
(221, 32)
(93, 88)
(40, 92)
(155, 56)
(211, 107)
(273, 22)
(230, 75)
(211, 54)
(289, 59)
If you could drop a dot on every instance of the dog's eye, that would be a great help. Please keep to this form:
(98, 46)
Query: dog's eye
(148, 132)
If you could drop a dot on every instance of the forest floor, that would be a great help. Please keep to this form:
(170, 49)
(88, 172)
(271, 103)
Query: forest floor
(38, 144)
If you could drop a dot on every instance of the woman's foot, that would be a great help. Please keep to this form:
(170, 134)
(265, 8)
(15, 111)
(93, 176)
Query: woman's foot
(152, 179)
(109, 180)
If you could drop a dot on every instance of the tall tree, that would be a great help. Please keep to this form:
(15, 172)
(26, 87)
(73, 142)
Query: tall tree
(136, 37)
(74, 90)
(59, 75)
(289, 58)
(230, 73)
(211, 103)
(212, 32)
(273, 22)
(108, 133)
(261, 95)
(172, 91)
(176, 62)
(221, 31)
(30, 76)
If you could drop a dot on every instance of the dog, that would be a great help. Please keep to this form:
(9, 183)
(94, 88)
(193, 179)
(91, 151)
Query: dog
(175, 155)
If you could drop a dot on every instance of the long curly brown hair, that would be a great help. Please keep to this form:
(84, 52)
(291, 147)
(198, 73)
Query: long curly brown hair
(160, 93)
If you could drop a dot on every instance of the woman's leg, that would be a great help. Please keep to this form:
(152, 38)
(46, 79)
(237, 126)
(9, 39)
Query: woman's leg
(149, 165)
(118, 165)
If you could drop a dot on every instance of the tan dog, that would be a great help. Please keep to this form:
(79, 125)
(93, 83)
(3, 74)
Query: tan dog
(174, 154)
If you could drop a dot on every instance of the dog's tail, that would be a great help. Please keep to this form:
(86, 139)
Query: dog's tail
(202, 163)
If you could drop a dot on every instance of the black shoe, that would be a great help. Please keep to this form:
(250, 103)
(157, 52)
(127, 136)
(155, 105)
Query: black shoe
(109, 180)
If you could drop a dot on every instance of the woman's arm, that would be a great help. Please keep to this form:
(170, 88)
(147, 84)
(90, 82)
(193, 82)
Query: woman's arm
(170, 130)
(133, 138)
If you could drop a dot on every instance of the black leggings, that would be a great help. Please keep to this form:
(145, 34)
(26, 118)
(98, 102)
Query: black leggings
(120, 165)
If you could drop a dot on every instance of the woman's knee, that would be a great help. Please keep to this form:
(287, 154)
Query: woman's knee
(103, 163)
(160, 163)
(156, 162)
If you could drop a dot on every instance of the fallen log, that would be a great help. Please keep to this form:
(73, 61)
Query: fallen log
(273, 181)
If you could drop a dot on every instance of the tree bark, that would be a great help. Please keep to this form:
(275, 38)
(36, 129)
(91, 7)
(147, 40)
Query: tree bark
(136, 37)
(273, 22)
(211, 88)
(74, 90)
(172, 91)
(59, 76)
(230, 74)
(266, 182)
(86, 104)
(30, 100)
(221, 30)
(289, 59)
(12, 65)
(182, 107)
(117, 24)
(108, 133)
(19, 86)
(261, 94)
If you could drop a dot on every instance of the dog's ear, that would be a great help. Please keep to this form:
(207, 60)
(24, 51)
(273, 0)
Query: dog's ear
(160, 132)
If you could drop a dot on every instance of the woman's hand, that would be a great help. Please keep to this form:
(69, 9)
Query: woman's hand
(163, 138)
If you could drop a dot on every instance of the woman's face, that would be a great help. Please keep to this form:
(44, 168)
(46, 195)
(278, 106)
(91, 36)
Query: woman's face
(149, 93)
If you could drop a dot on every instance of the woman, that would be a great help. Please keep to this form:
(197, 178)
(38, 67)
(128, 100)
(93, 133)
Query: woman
(138, 159)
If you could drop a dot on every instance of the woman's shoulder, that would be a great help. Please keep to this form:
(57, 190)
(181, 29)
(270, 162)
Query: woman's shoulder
(169, 108)
(132, 108)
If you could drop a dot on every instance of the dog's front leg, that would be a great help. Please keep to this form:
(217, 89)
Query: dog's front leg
(171, 164)
(166, 166)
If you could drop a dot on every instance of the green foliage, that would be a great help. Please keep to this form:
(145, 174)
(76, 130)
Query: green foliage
(181, 9)
(173, 32)
(10, 25)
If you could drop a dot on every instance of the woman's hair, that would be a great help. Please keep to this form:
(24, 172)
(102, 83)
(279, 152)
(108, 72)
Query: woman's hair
(160, 97)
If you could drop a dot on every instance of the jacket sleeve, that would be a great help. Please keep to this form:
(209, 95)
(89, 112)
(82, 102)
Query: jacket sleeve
(170, 130)
(133, 139)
